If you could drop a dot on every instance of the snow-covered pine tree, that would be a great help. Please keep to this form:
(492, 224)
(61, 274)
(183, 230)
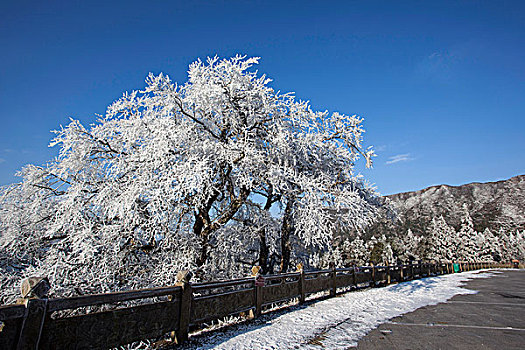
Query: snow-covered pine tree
(467, 250)
(516, 245)
(357, 252)
(412, 243)
(388, 255)
(441, 237)
(487, 246)
(482, 251)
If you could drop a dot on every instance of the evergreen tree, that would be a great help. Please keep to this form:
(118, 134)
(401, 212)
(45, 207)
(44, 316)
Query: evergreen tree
(357, 252)
(466, 237)
(411, 243)
(443, 240)
(388, 255)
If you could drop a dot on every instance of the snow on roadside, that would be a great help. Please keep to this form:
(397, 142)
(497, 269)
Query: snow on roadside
(337, 322)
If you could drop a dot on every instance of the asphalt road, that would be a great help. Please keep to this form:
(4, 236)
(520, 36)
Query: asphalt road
(494, 318)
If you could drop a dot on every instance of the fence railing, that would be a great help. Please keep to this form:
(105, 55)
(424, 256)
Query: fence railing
(40, 323)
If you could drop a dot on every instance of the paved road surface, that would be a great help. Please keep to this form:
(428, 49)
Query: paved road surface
(494, 318)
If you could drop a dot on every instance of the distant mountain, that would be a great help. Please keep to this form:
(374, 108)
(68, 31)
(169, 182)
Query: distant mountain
(491, 204)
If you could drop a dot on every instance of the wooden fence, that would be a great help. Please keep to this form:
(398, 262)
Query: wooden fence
(42, 324)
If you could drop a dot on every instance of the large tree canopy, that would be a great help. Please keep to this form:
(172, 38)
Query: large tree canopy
(209, 175)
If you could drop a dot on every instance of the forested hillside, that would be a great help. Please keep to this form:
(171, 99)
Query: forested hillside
(476, 221)
(492, 205)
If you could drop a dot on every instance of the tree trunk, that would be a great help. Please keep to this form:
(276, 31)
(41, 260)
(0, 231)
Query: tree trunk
(202, 233)
(204, 226)
(263, 252)
(286, 231)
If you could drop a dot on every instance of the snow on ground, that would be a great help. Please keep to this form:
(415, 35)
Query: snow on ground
(336, 323)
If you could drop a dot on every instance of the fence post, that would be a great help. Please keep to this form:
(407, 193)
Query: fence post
(373, 282)
(34, 291)
(412, 269)
(401, 273)
(258, 291)
(302, 294)
(183, 280)
(333, 290)
(354, 277)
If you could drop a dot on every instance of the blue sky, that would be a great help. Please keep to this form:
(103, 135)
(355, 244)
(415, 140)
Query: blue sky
(441, 84)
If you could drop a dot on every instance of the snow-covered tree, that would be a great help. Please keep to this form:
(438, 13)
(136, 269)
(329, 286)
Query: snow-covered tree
(388, 255)
(488, 246)
(380, 250)
(172, 177)
(355, 252)
(410, 243)
(466, 238)
(441, 241)
(514, 245)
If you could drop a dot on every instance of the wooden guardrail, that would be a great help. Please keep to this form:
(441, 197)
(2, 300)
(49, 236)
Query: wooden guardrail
(40, 323)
